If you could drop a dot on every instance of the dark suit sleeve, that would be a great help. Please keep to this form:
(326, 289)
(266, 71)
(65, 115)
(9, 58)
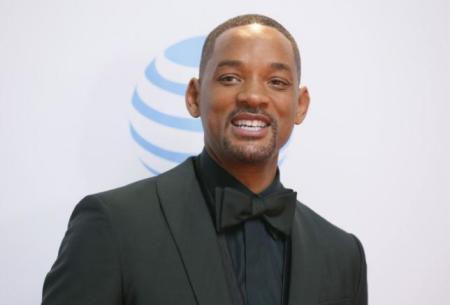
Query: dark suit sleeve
(361, 292)
(87, 269)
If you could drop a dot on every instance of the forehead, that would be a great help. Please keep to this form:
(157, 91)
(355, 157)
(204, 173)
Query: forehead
(253, 39)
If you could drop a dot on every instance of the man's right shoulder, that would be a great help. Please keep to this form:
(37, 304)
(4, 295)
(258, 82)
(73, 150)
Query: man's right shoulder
(132, 193)
(141, 193)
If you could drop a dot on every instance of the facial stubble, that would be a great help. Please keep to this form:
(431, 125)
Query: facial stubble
(251, 151)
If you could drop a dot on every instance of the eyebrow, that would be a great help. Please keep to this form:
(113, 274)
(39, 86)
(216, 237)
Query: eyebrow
(280, 66)
(229, 63)
(237, 63)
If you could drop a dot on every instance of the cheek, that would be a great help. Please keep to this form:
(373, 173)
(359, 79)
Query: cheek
(212, 117)
(211, 100)
(216, 106)
(286, 111)
(286, 119)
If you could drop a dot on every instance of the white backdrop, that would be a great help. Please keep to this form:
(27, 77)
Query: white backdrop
(372, 156)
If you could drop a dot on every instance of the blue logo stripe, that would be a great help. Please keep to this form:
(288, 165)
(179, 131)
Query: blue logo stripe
(165, 119)
(151, 170)
(156, 150)
(158, 80)
(186, 52)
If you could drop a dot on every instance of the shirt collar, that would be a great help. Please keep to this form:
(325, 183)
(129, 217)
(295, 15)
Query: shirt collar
(212, 175)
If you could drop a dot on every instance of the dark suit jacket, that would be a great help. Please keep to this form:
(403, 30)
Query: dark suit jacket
(153, 242)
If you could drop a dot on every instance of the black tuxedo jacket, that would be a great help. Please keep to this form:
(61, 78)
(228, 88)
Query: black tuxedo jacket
(154, 242)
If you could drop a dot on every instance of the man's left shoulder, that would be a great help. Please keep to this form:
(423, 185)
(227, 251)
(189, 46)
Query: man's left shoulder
(326, 234)
(343, 274)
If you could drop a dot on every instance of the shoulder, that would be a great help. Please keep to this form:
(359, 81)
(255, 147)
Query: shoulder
(319, 226)
(334, 241)
(128, 215)
(134, 201)
(341, 254)
(143, 192)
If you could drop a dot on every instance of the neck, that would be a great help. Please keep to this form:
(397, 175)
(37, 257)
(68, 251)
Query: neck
(255, 176)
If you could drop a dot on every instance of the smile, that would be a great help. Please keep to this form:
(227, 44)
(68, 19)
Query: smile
(253, 125)
(246, 125)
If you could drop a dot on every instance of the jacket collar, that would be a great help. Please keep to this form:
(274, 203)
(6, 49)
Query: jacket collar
(192, 228)
(305, 261)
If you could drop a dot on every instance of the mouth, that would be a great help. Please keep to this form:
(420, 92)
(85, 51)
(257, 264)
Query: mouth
(250, 124)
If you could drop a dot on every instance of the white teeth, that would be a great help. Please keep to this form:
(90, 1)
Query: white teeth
(253, 124)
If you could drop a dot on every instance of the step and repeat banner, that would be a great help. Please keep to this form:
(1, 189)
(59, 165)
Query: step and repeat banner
(92, 98)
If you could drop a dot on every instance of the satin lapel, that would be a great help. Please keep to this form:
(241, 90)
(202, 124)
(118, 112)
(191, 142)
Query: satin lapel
(193, 231)
(305, 264)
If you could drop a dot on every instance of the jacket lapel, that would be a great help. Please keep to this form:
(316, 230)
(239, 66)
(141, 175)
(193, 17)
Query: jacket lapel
(305, 264)
(192, 228)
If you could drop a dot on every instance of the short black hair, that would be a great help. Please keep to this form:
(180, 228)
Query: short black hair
(241, 20)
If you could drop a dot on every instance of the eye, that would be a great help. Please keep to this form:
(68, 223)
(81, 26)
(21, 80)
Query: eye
(229, 79)
(279, 83)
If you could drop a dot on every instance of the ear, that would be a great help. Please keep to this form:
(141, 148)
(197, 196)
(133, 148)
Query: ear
(303, 104)
(191, 97)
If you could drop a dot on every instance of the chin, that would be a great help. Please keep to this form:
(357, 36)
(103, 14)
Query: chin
(250, 152)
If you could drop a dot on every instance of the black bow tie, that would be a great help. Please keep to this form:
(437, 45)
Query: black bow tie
(234, 207)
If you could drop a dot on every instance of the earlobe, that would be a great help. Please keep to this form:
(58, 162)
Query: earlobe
(303, 105)
(191, 97)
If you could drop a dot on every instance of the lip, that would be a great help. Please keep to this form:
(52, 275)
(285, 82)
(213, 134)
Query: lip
(251, 117)
(248, 132)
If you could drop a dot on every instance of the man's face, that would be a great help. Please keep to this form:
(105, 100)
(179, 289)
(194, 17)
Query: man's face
(248, 97)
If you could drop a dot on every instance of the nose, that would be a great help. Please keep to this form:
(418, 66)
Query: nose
(253, 94)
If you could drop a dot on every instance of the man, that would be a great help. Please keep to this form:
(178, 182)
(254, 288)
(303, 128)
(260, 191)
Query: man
(220, 228)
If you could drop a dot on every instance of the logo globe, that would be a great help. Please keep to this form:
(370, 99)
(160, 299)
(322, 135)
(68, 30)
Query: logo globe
(164, 132)
(160, 125)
